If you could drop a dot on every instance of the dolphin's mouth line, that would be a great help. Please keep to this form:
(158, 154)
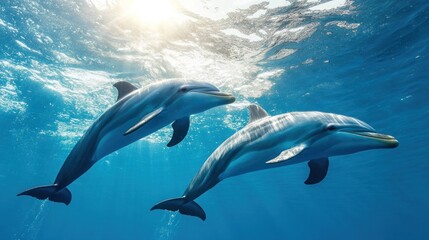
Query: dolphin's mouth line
(215, 93)
(374, 135)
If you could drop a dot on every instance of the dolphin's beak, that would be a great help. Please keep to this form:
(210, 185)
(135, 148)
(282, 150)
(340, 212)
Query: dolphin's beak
(390, 141)
(219, 94)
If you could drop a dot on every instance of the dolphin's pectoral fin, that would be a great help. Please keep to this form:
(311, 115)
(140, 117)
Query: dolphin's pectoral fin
(144, 120)
(180, 127)
(318, 170)
(256, 112)
(124, 88)
(288, 154)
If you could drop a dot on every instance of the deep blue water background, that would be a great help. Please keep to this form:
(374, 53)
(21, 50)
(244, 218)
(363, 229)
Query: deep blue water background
(377, 73)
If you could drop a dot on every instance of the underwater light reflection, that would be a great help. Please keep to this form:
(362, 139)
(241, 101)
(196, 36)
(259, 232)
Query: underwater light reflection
(147, 13)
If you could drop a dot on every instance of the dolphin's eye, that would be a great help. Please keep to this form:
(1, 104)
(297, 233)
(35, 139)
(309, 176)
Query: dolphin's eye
(183, 89)
(331, 127)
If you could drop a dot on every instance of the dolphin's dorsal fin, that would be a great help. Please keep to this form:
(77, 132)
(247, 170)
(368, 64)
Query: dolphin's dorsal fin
(256, 112)
(124, 88)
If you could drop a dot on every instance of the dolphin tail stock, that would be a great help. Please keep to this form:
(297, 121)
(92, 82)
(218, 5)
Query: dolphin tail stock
(190, 208)
(50, 192)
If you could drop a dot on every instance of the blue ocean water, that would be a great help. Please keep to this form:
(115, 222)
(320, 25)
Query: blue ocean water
(366, 59)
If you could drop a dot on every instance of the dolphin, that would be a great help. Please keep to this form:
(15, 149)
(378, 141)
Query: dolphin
(275, 141)
(136, 114)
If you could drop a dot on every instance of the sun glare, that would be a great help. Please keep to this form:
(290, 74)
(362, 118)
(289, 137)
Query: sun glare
(153, 12)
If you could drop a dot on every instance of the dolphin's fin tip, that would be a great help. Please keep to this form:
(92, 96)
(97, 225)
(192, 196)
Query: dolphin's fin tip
(318, 170)
(124, 88)
(256, 112)
(64, 196)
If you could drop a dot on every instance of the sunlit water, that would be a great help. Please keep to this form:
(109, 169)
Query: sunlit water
(366, 59)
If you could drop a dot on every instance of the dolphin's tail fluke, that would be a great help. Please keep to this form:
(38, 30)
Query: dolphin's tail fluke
(183, 206)
(50, 192)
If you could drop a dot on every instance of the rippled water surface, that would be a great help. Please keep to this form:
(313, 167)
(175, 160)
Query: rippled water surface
(366, 59)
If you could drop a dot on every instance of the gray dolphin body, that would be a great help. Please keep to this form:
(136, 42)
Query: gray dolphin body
(136, 114)
(275, 141)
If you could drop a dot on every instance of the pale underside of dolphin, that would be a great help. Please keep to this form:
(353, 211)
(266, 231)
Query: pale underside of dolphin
(275, 141)
(136, 114)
